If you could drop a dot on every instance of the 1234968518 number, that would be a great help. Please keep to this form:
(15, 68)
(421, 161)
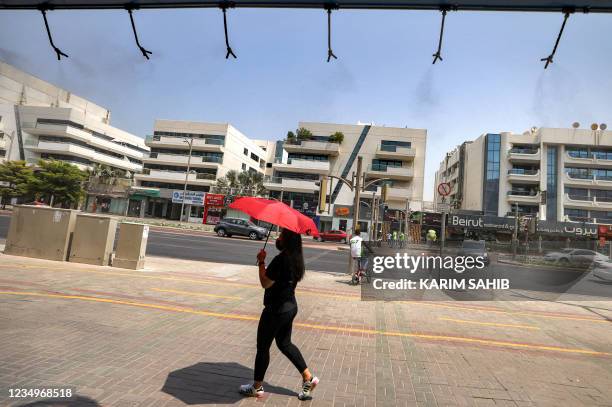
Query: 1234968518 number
(40, 392)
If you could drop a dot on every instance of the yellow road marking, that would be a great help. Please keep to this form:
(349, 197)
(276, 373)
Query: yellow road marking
(306, 292)
(494, 311)
(457, 339)
(462, 321)
(199, 294)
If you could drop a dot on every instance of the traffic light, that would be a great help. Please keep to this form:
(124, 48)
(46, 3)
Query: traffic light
(323, 195)
(385, 192)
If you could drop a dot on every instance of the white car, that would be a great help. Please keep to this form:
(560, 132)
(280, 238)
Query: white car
(603, 270)
(575, 257)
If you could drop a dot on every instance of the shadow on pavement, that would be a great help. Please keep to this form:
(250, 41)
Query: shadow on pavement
(212, 383)
(74, 401)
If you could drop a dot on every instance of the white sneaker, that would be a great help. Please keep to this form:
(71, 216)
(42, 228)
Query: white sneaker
(250, 390)
(307, 388)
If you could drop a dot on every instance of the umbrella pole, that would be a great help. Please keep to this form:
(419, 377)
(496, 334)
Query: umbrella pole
(267, 237)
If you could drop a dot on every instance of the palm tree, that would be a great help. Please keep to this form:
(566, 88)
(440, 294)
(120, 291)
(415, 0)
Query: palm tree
(244, 183)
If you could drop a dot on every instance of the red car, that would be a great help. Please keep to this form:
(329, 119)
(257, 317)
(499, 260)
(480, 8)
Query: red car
(334, 236)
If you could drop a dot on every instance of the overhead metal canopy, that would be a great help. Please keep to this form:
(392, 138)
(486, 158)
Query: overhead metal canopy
(567, 7)
(592, 6)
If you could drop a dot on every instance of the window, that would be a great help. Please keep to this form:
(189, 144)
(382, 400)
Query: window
(381, 165)
(551, 183)
(246, 152)
(254, 157)
(391, 145)
(312, 157)
(491, 186)
(243, 167)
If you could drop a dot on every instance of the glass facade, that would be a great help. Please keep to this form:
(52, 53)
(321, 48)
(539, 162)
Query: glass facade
(490, 194)
(552, 153)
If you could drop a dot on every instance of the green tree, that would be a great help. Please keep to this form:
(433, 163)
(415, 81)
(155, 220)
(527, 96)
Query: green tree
(243, 183)
(303, 134)
(337, 137)
(16, 180)
(291, 139)
(60, 182)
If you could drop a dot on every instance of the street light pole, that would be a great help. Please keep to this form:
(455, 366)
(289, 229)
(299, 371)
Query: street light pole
(190, 142)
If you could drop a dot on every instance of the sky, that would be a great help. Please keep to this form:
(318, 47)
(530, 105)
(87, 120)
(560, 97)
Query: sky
(490, 80)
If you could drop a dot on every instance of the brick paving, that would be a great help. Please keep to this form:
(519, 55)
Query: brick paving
(183, 332)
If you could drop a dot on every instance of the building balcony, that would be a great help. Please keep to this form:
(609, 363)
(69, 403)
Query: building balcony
(385, 171)
(524, 197)
(175, 177)
(592, 161)
(303, 166)
(313, 147)
(399, 194)
(587, 202)
(199, 144)
(524, 155)
(588, 181)
(290, 185)
(524, 176)
(395, 153)
(65, 130)
(3, 143)
(83, 152)
(181, 159)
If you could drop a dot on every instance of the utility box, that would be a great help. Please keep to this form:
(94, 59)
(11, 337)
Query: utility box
(40, 232)
(93, 239)
(131, 246)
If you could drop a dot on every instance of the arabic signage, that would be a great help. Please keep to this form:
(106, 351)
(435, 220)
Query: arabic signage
(191, 197)
(568, 228)
(483, 222)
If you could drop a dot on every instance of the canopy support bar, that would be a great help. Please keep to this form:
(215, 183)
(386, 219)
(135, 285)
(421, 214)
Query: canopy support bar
(549, 59)
(145, 53)
(59, 52)
(438, 54)
(224, 7)
(330, 53)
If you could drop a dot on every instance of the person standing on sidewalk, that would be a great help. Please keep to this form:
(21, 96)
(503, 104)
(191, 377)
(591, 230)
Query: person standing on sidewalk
(402, 238)
(280, 279)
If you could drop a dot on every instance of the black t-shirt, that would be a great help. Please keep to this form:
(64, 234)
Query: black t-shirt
(281, 296)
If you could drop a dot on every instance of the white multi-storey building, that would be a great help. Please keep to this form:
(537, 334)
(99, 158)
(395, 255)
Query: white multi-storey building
(396, 155)
(39, 120)
(554, 174)
(216, 148)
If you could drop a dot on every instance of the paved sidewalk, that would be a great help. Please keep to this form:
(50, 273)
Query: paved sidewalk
(183, 332)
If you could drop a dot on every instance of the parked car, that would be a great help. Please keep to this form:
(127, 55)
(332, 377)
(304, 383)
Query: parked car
(603, 270)
(575, 257)
(239, 227)
(475, 248)
(333, 236)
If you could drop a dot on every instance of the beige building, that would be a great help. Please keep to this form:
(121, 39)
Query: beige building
(554, 174)
(396, 155)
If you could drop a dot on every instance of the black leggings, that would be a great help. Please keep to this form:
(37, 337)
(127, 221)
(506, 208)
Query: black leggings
(276, 326)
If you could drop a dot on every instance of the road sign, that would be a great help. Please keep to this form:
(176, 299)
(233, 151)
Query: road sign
(191, 197)
(444, 189)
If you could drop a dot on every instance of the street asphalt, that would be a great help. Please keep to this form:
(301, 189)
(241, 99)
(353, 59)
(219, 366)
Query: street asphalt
(207, 247)
(324, 257)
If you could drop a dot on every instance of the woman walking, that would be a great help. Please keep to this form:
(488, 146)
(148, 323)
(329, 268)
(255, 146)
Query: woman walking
(280, 308)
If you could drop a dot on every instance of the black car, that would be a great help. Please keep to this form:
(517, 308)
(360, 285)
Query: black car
(240, 227)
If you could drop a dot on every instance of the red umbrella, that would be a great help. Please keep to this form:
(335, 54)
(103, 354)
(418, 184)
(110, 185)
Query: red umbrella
(276, 213)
